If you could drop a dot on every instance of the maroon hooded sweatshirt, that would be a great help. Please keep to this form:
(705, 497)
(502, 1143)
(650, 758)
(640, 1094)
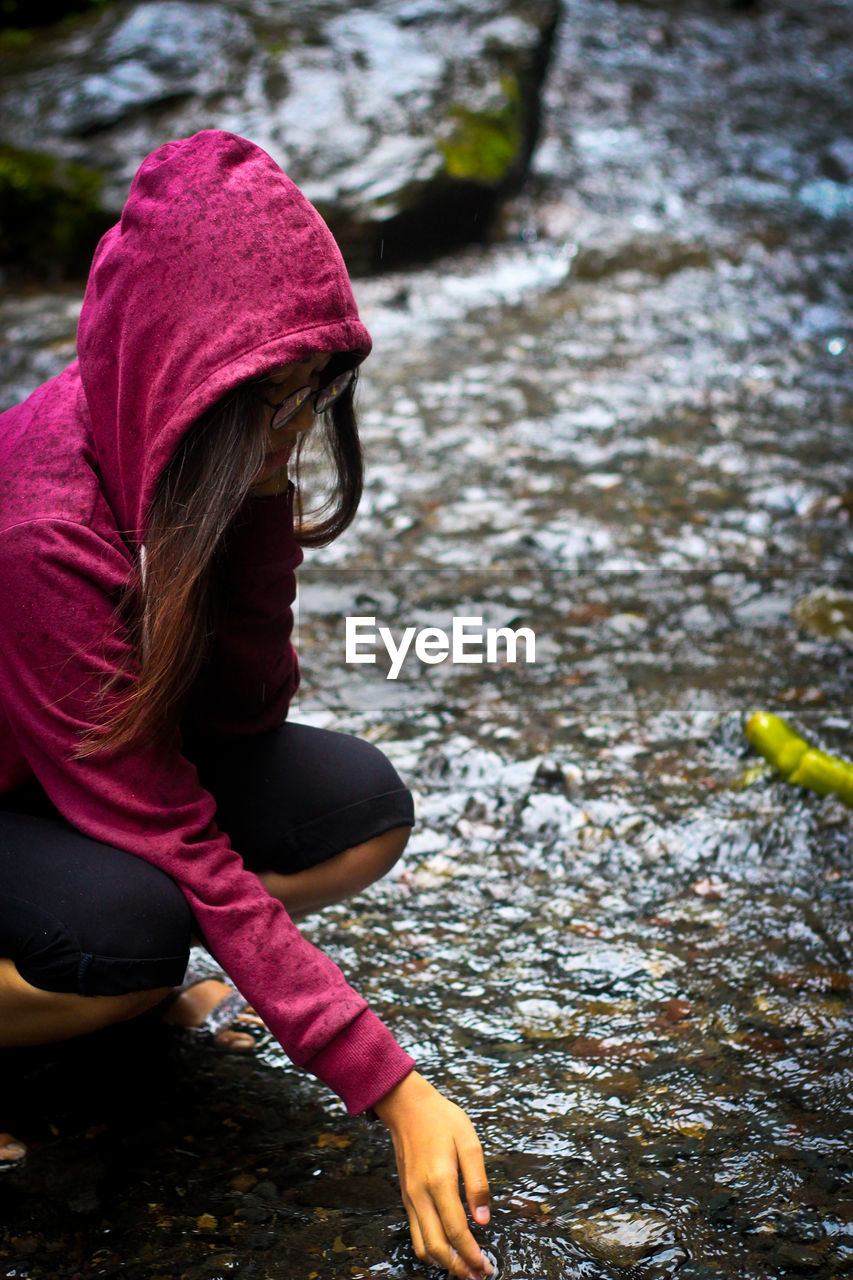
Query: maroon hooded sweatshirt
(219, 271)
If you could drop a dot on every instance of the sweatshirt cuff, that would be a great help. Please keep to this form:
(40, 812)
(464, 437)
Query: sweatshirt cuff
(362, 1063)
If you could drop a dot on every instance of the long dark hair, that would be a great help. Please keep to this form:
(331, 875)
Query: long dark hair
(171, 604)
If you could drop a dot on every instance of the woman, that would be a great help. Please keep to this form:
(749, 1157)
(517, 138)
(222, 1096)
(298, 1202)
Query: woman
(150, 789)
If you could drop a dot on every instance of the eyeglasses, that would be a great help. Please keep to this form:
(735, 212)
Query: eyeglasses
(322, 399)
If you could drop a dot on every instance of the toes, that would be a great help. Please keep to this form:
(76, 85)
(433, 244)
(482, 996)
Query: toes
(239, 1041)
(10, 1148)
(251, 1018)
(192, 1007)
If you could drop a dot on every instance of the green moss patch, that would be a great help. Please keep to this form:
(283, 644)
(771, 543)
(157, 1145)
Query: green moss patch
(485, 146)
(16, 39)
(50, 216)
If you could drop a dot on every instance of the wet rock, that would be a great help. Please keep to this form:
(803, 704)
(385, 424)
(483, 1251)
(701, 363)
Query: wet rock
(799, 1256)
(250, 1269)
(39, 334)
(805, 1227)
(654, 254)
(674, 1011)
(546, 813)
(837, 160)
(254, 1210)
(623, 1236)
(360, 1191)
(404, 122)
(267, 1189)
(826, 612)
(663, 1265)
(156, 52)
(243, 1181)
(550, 776)
(544, 1019)
(261, 1238)
(828, 199)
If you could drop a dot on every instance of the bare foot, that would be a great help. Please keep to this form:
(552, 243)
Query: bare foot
(10, 1149)
(193, 1005)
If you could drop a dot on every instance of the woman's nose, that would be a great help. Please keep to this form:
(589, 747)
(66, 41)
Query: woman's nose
(304, 419)
(297, 425)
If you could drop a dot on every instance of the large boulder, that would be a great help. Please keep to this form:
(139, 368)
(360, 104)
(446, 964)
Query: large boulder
(405, 121)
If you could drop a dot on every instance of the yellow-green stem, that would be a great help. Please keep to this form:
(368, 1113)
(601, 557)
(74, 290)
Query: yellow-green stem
(806, 766)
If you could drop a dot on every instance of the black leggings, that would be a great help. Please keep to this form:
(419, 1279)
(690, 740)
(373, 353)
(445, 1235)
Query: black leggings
(77, 915)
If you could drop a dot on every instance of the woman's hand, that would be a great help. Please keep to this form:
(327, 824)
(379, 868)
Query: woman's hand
(434, 1141)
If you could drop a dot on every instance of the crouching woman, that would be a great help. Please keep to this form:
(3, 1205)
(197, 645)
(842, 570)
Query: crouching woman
(152, 790)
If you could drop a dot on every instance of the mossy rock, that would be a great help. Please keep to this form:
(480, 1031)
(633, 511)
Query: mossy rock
(50, 216)
(440, 112)
(486, 146)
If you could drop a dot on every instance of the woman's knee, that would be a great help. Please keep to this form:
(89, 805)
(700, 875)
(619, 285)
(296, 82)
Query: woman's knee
(84, 918)
(284, 794)
(379, 855)
(151, 955)
(390, 846)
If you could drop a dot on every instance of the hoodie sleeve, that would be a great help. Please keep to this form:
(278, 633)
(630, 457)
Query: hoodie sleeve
(59, 641)
(247, 683)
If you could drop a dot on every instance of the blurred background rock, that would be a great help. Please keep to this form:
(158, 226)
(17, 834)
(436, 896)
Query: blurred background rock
(405, 122)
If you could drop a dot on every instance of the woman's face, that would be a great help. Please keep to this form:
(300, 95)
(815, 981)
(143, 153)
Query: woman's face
(280, 384)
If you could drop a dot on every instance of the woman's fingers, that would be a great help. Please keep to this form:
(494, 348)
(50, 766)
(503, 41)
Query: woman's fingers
(436, 1255)
(416, 1234)
(476, 1183)
(448, 1241)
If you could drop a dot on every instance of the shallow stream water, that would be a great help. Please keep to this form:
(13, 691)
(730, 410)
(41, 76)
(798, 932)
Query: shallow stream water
(623, 948)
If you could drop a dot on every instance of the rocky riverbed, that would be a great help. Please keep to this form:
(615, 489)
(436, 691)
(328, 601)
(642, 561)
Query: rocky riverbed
(615, 939)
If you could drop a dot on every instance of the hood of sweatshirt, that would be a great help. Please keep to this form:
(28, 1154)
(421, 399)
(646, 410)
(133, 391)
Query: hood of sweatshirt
(218, 271)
